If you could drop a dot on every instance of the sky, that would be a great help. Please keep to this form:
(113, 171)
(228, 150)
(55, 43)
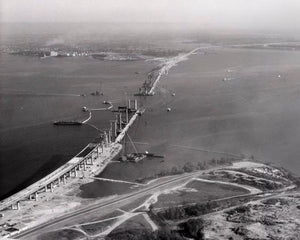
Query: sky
(245, 14)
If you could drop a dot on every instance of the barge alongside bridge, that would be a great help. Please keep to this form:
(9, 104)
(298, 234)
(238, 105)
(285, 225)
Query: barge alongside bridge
(76, 123)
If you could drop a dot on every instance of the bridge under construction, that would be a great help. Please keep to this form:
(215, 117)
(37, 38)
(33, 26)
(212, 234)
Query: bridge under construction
(98, 154)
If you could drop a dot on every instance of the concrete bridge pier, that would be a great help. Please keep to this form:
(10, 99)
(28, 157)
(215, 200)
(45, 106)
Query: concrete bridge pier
(36, 196)
(51, 187)
(89, 162)
(74, 172)
(92, 156)
(97, 151)
(16, 206)
(59, 181)
(79, 166)
(92, 160)
(64, 179)
(33, 196)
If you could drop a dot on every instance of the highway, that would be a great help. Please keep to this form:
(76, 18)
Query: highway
(73, 217)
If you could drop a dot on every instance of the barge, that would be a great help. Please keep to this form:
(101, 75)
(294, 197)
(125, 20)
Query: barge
(72, 123)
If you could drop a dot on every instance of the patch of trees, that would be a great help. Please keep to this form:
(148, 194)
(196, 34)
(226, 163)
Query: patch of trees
(274, 201)
(143, 234)
(239, 209)
(194, 210)
(193, 228)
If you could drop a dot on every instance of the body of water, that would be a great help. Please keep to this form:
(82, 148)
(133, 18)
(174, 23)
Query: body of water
(230, 100)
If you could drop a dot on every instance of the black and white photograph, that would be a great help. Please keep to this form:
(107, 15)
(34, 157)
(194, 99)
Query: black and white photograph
(150, 119)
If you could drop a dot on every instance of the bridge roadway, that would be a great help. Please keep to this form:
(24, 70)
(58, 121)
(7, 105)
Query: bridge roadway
(66, 169)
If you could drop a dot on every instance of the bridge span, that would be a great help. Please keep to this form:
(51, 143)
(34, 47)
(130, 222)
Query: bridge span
(99, 154)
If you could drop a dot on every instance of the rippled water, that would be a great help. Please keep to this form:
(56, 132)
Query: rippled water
(35, 92)
(256, 113)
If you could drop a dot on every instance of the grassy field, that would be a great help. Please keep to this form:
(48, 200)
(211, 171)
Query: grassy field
(196, 191)
(137, 222)
(64, 234)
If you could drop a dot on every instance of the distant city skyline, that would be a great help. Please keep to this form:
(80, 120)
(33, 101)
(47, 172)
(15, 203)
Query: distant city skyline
(230, 14)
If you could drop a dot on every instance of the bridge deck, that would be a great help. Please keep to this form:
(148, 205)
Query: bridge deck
(44, 181)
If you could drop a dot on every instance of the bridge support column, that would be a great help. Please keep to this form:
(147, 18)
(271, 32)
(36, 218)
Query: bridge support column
(92, 155)
(64, 179)
(135, 105)
(36, 196)
(75, 172)
(120, 121)
(51, 187)
(127, 115)
(115, 128)
(16, 206)
(84, 166)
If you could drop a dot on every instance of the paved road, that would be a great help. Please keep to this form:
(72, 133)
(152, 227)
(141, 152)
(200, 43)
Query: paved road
(67, 219)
